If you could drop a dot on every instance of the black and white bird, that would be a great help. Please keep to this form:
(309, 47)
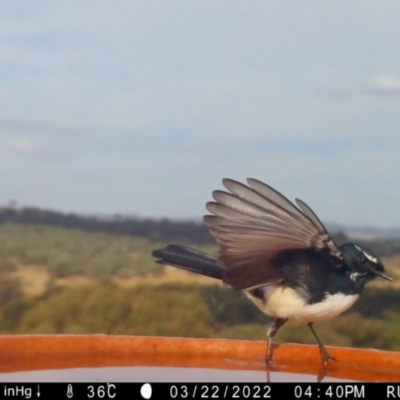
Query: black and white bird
(280, 256)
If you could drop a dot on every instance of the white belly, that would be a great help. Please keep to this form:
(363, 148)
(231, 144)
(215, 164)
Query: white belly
(286, 303)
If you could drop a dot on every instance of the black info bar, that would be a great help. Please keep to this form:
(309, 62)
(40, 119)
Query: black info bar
(149, 390)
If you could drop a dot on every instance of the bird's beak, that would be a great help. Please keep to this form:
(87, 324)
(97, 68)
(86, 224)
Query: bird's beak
(384, 276)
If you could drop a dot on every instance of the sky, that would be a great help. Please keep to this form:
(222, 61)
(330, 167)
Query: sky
(143, 107)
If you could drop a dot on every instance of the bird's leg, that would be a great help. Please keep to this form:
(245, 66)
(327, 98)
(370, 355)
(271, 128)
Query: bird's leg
(325, 357)
(272, 330)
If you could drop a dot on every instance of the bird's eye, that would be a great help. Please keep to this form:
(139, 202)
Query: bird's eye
(363, 260)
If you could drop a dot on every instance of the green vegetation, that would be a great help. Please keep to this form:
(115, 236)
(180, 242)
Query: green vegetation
(109, 283)
(105, 308)
(75, 252)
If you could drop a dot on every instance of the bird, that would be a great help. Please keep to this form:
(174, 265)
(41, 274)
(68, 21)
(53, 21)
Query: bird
(280, 256)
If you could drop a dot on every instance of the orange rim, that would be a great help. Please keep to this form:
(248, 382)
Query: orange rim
(38, 352)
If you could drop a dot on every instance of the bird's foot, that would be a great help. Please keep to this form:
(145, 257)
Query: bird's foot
(325, 356)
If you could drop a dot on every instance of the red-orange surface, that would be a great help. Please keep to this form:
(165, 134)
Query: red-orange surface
(38, 352)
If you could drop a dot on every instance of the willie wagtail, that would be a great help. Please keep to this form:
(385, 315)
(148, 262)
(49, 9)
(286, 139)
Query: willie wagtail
(280, 256)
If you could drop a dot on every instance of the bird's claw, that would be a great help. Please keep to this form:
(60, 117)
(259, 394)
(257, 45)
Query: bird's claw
(325, 356)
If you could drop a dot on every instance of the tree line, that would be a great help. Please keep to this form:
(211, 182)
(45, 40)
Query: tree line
(156, 230)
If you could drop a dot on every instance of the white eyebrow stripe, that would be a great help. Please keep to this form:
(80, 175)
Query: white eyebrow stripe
(368, 256)
(371, 258)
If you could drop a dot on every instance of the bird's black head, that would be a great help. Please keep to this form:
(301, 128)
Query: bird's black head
(363, 263)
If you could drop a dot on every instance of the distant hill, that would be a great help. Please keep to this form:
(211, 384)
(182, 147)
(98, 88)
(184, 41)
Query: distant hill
(364, 232)
(166, 230)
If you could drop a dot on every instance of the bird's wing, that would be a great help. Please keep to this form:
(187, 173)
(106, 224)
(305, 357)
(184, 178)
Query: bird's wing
(253, 224)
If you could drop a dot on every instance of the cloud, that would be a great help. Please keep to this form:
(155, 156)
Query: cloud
(24, 147)
(53, 154)
(386, 85)
(30, 126)
(39, 183)
(380, 86)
